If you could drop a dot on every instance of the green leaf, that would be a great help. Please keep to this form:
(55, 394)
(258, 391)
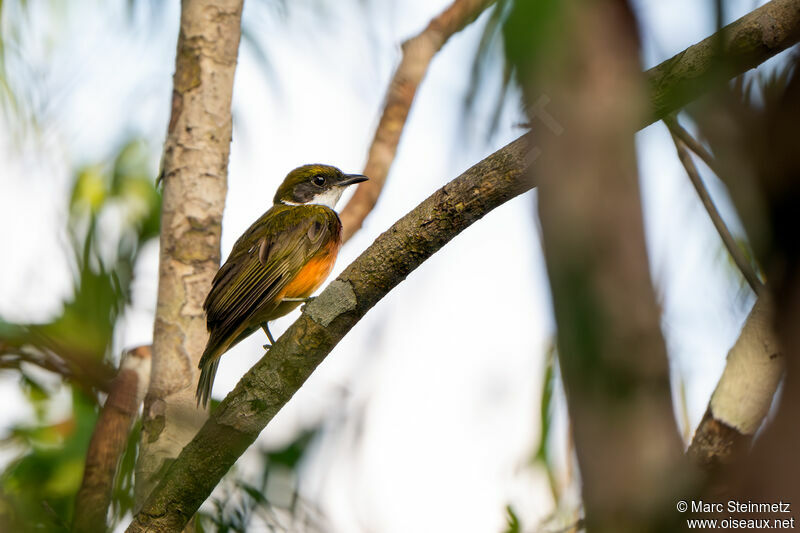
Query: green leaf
(512, 522)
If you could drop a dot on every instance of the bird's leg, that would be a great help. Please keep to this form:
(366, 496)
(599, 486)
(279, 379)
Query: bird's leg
(265, 327)
(305, 301)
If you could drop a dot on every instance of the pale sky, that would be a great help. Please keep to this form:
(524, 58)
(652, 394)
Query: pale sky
(444, 374)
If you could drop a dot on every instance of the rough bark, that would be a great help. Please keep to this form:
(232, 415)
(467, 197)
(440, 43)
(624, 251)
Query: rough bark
(217, 446)
(612, 355)
(738, 47)
(194, 172)
(417, 55)
(109, 440)
(744, 393)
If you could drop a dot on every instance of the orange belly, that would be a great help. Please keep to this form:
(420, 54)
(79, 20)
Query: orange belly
(313, 274)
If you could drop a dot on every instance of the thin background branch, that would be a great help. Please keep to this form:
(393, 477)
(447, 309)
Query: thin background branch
(745, 267)
(693, 144)
(417, 55)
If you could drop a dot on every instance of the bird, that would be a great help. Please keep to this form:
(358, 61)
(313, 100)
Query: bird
(280, 260)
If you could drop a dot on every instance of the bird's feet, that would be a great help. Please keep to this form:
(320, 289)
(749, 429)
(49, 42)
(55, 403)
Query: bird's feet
(265, 327)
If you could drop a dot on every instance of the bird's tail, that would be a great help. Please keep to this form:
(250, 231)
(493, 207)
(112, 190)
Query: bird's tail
(208, 370)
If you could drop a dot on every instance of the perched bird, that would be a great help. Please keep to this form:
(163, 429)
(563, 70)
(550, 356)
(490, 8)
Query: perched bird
(277, 264)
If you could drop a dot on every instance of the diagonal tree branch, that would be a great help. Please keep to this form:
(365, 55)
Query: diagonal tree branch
(274, 379)
(417, 55)
(738, 47)
(738, 257)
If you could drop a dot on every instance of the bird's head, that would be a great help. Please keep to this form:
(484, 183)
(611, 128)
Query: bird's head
(315, 184)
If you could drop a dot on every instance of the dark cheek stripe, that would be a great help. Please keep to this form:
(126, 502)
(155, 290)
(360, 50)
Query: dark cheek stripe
(304, 192)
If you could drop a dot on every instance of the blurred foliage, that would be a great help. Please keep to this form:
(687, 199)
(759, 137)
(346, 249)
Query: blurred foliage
(762, 89)
(122, 497)
(542, 454)
(512, 522)
(484, 65)
(37, 490)
(18, 83)
(565, 516)
(271, 502)
(114, 208)
(515, 35)
(530, 31)
(7, 100)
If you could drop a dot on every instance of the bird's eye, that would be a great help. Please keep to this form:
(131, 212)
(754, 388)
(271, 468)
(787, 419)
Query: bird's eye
(319, 180)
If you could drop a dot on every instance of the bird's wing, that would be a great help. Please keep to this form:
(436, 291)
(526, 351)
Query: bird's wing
(263, 261)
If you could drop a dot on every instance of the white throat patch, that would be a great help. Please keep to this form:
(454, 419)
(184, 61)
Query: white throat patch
(328, 198)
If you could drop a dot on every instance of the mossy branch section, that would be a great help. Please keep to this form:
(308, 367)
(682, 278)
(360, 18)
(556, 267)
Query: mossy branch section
(738, 47)
(262, 392)
(249, 407)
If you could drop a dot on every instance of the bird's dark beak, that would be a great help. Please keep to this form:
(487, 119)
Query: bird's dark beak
(351, 179)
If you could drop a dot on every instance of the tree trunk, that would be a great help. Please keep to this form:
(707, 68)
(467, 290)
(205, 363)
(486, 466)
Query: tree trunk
(611, 352)
(195, 169)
